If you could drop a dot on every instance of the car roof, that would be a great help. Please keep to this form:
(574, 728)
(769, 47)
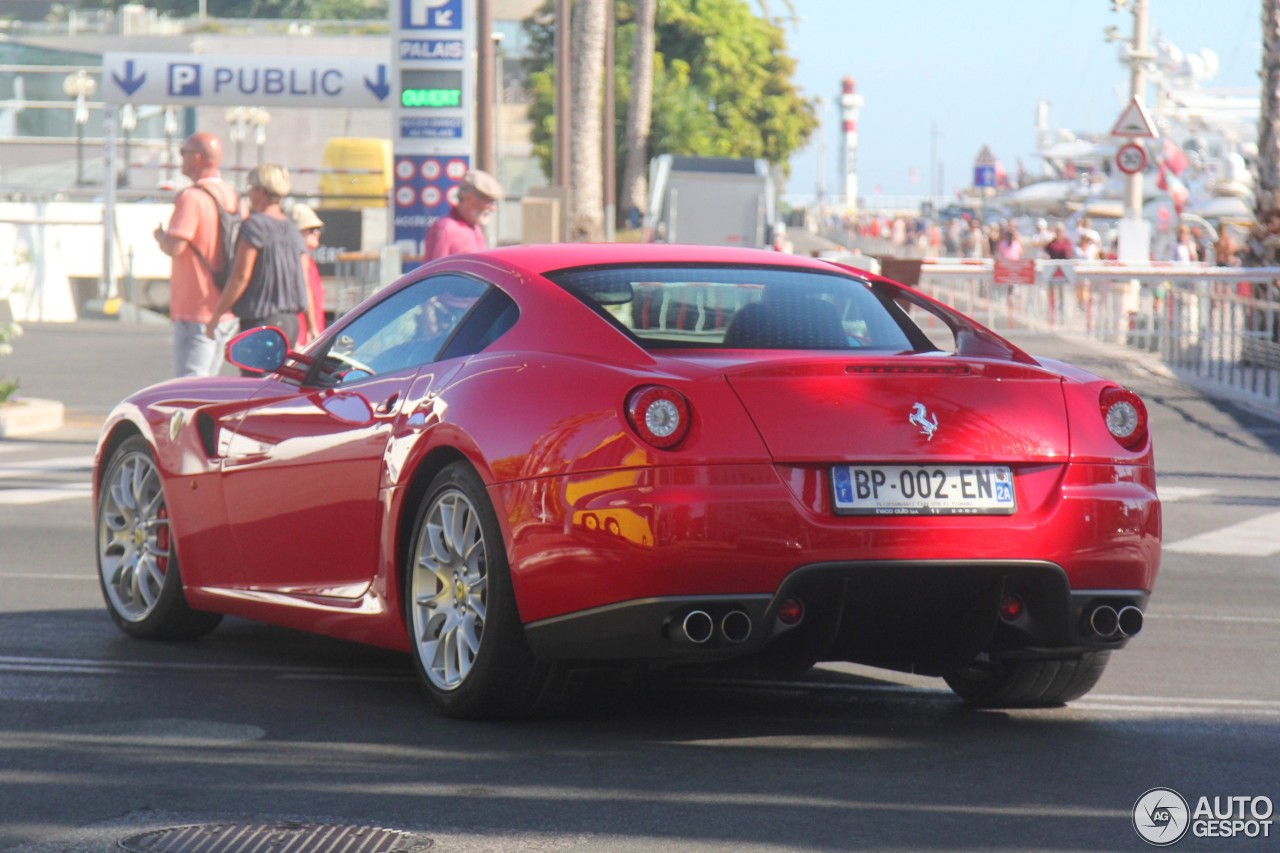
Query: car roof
(546, 258)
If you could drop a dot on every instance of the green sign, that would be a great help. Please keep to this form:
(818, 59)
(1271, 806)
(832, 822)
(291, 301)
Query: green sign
(431, 98)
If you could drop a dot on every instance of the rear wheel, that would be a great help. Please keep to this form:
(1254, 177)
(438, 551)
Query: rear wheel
(137, 560)
(1028, 683)
(467, 639)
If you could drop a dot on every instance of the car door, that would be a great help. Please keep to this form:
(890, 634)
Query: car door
(302, 474)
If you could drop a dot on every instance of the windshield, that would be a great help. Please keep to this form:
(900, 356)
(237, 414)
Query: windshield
(740, 307)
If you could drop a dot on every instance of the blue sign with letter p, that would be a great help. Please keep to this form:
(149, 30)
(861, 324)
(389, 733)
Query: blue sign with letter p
(431, 14)
(184, 79)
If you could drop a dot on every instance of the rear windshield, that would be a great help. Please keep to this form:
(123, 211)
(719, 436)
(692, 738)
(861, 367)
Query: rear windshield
(740, 307)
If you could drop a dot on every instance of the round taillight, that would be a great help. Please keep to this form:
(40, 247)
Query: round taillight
(659, 415)
(1125, 417)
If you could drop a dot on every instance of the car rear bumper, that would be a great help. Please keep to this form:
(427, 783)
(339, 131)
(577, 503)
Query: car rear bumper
(925, 616)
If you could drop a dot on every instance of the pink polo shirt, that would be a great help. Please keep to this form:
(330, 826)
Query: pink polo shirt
(452, 235)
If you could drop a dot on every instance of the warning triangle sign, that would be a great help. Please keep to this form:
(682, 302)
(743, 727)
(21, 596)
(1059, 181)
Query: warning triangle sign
(1134, 122)
(1059, 276)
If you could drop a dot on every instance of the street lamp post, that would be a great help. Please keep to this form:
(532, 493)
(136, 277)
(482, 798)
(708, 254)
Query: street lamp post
(498, 100)
(237, 118)
(128, 123)
(81, 87)
(1135, 234)
(259, 118)
(934, 181)
(170, 133)
(820, 188)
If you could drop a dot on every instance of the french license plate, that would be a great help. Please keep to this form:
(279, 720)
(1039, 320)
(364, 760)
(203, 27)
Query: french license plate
(923, 490)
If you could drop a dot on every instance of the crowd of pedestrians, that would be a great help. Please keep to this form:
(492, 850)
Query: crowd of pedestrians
(239, 263)
(969, 236)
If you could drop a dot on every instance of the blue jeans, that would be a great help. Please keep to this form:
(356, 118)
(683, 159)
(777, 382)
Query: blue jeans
(194, 354)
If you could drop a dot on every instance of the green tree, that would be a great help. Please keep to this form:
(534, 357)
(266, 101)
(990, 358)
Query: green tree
(722, 83)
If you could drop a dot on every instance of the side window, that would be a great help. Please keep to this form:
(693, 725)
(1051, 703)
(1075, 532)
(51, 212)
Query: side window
(405, 330)
(492, 316)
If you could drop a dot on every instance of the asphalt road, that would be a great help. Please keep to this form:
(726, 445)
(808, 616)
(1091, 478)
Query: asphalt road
(103, 739)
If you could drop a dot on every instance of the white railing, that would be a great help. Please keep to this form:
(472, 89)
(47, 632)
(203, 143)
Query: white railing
(1217, 325)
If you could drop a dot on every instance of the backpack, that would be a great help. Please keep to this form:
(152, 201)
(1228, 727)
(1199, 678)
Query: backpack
(228, 231)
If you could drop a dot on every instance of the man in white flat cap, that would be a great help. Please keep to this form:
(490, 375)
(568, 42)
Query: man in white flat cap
(462, 229)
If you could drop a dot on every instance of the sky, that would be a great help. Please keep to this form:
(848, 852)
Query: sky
(961, 75)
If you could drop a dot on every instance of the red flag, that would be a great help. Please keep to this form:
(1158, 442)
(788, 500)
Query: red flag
(1170, 183)
(1172, 156)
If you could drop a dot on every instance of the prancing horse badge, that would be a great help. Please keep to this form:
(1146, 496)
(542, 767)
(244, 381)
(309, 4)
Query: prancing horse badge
(920, 417)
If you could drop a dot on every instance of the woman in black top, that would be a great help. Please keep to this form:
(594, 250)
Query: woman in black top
(267, 286)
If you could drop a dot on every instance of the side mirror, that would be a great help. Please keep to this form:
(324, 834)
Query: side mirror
(262, 349)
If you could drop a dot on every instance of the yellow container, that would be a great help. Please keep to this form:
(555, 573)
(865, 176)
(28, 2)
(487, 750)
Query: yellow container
(356, 173)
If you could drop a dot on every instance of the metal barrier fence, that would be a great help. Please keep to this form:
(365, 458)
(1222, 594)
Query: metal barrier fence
(1217, 325)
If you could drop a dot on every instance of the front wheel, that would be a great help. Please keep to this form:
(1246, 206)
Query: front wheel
(466, 636)
(1028, 683)
(137, 560)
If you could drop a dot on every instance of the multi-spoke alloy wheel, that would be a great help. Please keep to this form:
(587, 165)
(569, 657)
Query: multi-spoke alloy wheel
(460, 608)
(133, 536)
(137, 564)
(450, 580)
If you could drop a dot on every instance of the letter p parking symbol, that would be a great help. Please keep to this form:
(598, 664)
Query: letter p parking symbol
(184, 79)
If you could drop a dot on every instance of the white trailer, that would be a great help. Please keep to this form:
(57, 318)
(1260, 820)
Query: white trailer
(711, 201)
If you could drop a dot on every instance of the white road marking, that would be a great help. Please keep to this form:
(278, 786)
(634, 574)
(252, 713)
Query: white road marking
(48, 494)
(9, 447)
(1169, 494)
(1206, 617)
(1101, 703)
(55, 490)
(1258, 537)
(52, 466)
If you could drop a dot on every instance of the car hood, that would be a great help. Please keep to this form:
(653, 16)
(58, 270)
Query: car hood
(905, 409)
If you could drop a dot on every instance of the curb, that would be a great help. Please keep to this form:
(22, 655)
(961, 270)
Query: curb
(29, 416)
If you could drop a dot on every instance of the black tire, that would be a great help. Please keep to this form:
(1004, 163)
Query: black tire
(460, 610)
(137, 556)
(1028, 683)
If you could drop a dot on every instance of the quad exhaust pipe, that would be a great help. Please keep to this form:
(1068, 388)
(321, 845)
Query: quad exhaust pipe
(1105, 621)
(735, 627)
(698, 628)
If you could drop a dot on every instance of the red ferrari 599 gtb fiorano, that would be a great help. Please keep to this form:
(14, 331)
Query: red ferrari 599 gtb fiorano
(517, 462)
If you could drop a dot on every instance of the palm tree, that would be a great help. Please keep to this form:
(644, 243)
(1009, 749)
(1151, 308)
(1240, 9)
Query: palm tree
(639, 111)
(586, 162)
(1262, 346)
(1267, 200)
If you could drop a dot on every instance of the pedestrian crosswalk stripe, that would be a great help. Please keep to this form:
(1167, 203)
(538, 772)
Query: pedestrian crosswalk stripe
(1168, 494)
(1258, 537)
(47, 494)
(12, 447)
(75, 473)
(50, 466)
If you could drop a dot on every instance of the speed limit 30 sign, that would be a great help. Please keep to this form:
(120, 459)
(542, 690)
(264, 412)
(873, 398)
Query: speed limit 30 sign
(1131, 158)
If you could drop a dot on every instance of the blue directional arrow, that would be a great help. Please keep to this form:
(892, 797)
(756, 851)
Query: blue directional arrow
(129, 84)
(379, 87)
